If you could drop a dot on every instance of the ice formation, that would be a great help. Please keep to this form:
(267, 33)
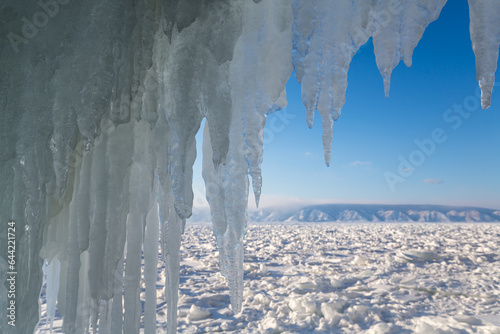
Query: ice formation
(100, 102)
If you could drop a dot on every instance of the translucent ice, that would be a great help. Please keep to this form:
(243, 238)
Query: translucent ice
(485, 36)
(100, 102)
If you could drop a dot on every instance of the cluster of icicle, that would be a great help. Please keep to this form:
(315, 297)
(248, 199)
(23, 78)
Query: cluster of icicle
(100, 102)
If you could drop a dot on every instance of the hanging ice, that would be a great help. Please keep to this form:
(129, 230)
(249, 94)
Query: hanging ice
(396, 29)
(254, 89)
(485, 35)
(53, 271)
(100, 102)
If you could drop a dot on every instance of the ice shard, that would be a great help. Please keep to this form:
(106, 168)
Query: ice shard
(100, 102)
(52, 270)
(396, 28)
(485, 36)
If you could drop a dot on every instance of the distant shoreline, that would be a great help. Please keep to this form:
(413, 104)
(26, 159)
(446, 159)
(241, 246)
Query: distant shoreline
(369, 213)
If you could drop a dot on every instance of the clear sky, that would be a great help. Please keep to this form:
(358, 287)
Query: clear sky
(374, 134)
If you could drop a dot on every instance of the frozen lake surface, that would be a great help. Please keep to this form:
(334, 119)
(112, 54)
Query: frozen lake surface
(342, 278)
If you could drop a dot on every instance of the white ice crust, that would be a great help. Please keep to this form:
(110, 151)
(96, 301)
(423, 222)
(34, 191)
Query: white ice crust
(100, 102)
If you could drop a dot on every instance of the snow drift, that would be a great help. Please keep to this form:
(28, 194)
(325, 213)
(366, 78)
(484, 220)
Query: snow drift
(100, 102)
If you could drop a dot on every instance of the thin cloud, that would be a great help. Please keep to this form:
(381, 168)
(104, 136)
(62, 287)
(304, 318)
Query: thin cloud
(360, 163)
(432, 181)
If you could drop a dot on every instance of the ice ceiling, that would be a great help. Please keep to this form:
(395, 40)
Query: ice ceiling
(100, 101)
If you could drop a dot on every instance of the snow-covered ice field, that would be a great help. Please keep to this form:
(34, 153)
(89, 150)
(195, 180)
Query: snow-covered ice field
(342, 278)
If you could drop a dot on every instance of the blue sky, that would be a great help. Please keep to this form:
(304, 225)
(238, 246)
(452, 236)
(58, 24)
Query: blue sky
(373, 133)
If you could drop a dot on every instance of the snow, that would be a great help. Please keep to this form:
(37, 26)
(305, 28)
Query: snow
(339, 277)
(100, 103)
(198, 313)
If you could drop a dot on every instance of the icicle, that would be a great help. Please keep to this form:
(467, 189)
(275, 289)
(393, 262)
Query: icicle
(396, 29)
(327, 137)
(151, 237)
(262, 82)
(140, 187)
(63, 283)
(170, 223)
(214, 190)
(117, 308)
(85, 301)
(73, 281)
(171, 237)
(106, 101)
(28, 246)
(132, 304)
(118, 170)
(227, 185)
(83, 213)
(323, 71)
(104, 317)
(485, 36)
(94, 316)
(98, 233)
(227, 190)
(52, 271)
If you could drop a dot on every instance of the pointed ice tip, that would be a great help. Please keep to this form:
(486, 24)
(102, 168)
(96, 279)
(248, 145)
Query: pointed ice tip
(183, 225)
(387, 88)
(408, 61)
(257, 199)
(237, 307)
(219, 162)
(485, 102)
(310, 118)
(328, 159)
(386, 76)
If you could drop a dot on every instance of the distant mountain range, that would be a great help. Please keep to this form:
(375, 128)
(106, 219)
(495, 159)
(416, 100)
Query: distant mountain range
(367, 213)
